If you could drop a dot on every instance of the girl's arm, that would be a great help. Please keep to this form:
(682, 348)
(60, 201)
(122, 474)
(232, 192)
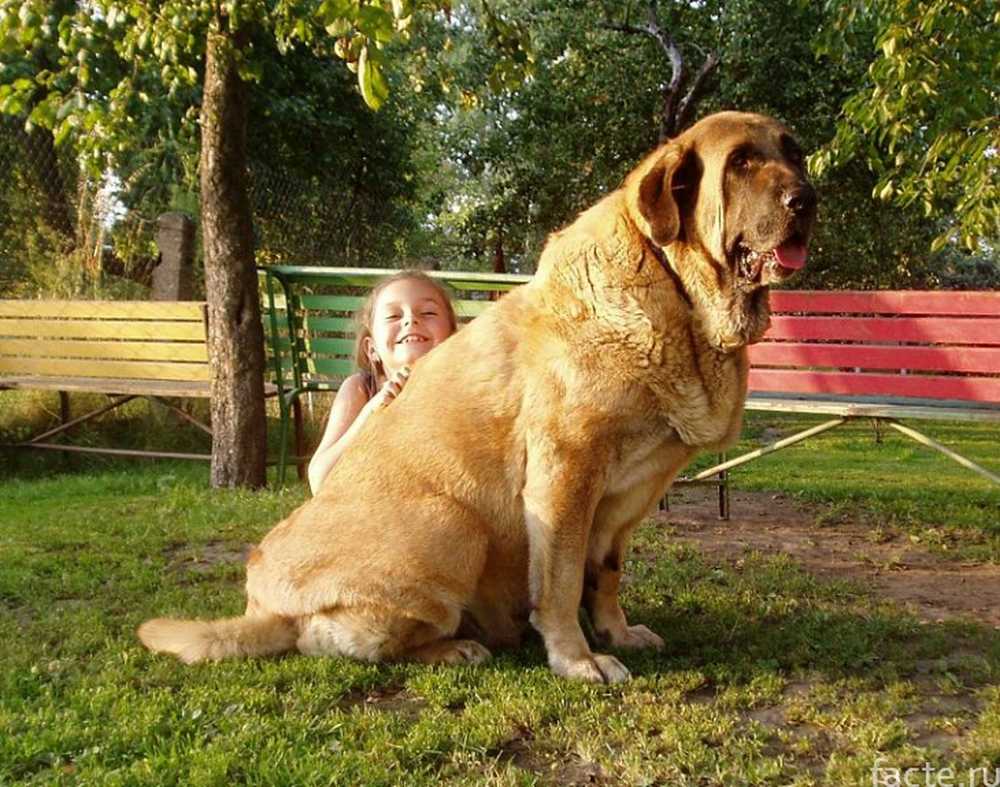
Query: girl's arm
(350, 410)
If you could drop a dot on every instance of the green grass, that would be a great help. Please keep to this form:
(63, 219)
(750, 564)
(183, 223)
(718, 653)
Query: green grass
(770, 676)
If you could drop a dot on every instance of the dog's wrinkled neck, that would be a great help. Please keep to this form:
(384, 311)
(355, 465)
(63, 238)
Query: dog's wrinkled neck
(661, 257)
(729, 319)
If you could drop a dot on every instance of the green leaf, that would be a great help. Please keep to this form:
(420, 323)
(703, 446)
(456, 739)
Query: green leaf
(12, 104)
(374, 89)
(65, 108)
(62, 133)
(330, 11)
(339, 27)
(376, 22)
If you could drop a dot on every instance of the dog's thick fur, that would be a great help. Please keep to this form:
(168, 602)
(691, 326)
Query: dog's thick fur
(503, 483)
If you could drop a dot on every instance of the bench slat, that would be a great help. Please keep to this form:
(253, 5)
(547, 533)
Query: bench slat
(980, 389)
(105, 310)
(105, 385)
(471, 309)
(887, 302)
(328, 324)
(366, 277)
(129, 370)
(331, 303)
(193, 388)
(331, 367)
(985, 360)
(329, 346)
(116, 350)
(919, 330)
(111, 329)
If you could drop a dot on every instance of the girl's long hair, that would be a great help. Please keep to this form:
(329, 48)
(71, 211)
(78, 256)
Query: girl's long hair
(373, 373)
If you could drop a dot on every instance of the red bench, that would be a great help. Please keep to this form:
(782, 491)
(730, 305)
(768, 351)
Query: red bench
(884, 355)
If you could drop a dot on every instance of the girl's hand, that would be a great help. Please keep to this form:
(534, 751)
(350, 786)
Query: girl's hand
(391, 389)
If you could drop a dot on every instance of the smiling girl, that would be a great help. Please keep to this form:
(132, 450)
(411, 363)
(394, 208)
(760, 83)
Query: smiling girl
(406, 316)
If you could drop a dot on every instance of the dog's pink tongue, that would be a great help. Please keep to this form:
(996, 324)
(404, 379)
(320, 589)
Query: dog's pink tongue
(791, 255)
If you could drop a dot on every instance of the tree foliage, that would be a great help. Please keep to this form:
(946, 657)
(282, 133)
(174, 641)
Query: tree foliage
(119, 85)
(925, 116)
(466, 163)
(519, 164)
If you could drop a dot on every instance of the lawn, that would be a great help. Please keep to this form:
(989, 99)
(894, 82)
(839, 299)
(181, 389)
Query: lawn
(770, 676)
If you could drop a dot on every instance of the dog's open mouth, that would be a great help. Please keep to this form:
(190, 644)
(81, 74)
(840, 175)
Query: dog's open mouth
(769, 267)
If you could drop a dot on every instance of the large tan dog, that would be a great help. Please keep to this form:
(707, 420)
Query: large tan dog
(503, 483)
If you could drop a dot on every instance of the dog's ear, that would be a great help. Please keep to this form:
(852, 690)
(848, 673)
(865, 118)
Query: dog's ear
(660, 188)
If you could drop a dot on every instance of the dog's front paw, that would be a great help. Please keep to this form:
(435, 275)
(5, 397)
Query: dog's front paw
(599, 668)
(636, 637)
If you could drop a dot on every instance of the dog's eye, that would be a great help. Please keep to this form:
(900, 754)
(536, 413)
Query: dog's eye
(740, 159)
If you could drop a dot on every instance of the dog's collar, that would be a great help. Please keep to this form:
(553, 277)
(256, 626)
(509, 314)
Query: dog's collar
(661, 257)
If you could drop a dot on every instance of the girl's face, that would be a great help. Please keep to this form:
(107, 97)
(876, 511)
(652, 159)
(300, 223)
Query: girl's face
(409, 319)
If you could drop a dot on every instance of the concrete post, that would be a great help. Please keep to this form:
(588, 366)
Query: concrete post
(173, 278)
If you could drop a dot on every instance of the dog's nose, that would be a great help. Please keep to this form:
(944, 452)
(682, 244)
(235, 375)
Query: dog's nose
(800, 199)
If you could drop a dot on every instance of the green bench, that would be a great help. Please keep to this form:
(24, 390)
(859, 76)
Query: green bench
(309, 323)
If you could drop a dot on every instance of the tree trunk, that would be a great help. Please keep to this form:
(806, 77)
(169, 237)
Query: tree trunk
(499, 260)
(235, 333)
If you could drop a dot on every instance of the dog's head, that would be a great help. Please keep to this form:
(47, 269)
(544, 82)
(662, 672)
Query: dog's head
(728, 203)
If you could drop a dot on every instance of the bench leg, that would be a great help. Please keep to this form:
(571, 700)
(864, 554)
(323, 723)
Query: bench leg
(300, 439)
(769, 449)
(955, 457)
(282, 443)
(723, 491)
(76, 421)
(288, 404)
(181, 414)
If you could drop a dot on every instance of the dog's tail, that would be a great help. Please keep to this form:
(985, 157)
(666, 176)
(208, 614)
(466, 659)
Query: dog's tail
(213, 640)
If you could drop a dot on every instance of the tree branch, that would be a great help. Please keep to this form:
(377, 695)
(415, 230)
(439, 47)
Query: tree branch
(686, 108)
(676, 110)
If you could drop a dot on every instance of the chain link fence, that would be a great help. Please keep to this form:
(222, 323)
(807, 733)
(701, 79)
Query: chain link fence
(63, 234)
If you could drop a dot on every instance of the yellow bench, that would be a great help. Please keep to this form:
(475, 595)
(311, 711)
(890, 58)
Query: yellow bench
(125, 349)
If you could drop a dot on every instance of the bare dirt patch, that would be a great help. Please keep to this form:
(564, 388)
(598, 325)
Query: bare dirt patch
(391, 699)
(203, 558)
(890, 564)
(556, 768)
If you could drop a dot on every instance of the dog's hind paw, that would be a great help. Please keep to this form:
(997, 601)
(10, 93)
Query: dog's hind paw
(452, 651)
